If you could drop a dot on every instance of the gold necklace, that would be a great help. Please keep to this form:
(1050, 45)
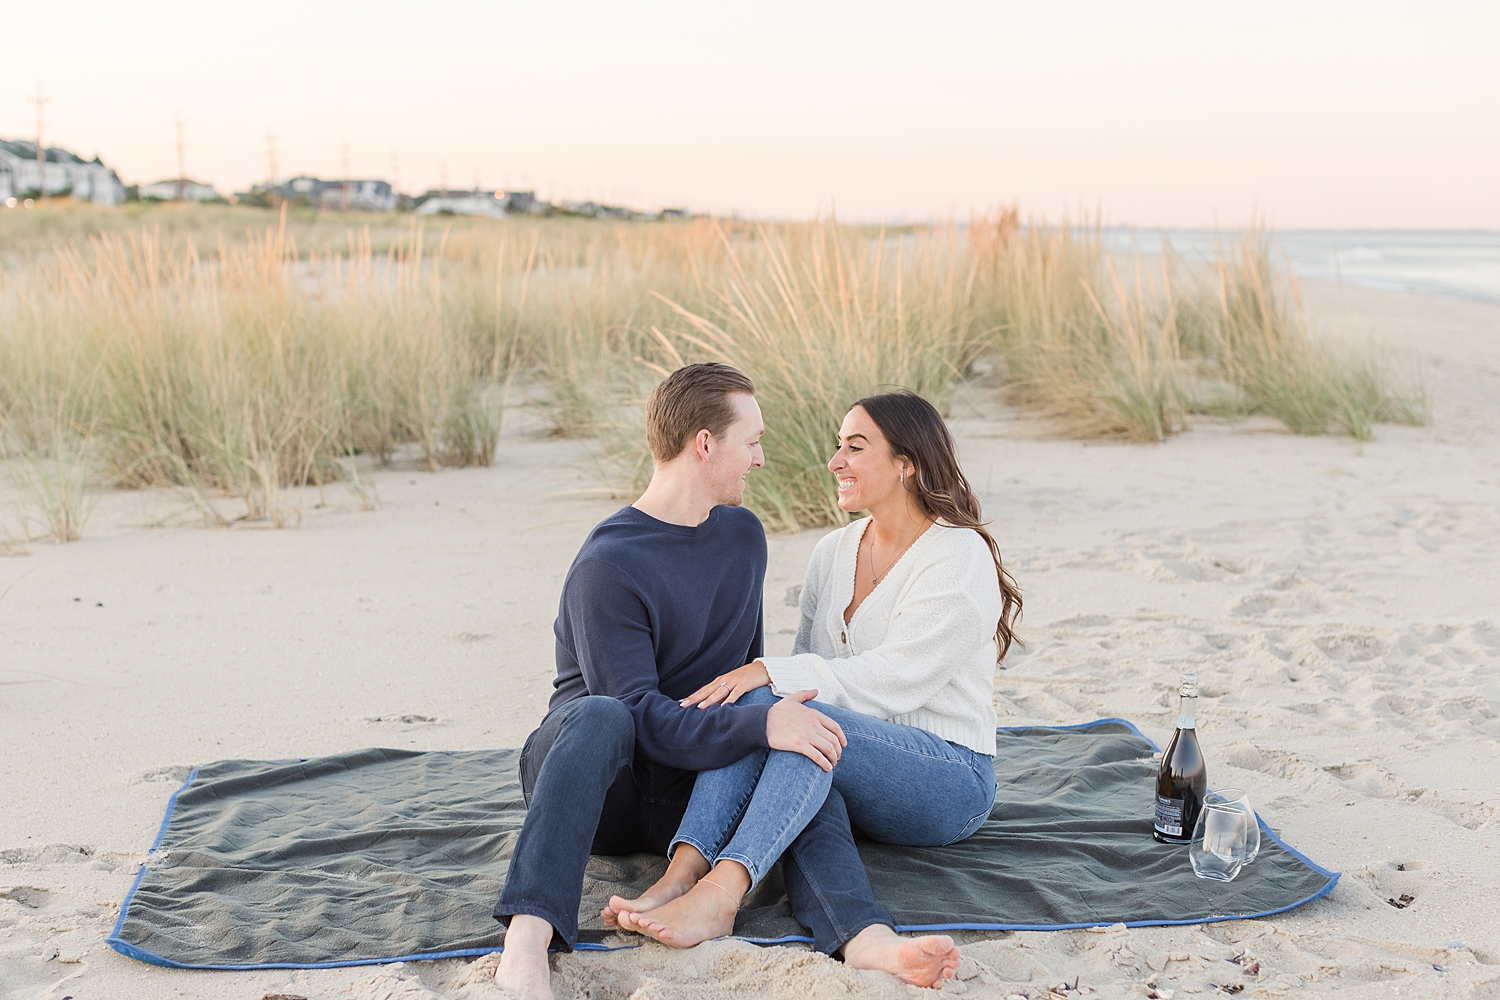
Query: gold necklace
(874, 579)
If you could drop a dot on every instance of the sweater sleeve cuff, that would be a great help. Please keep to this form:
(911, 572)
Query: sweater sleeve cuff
(790, 674)
(750, 724)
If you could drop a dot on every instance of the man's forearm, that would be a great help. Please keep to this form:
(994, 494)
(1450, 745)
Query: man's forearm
(693, 739)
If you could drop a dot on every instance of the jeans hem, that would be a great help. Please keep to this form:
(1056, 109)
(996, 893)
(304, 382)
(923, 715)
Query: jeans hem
(844, 939)
(561, 940)
(709, 856)
(755, 876)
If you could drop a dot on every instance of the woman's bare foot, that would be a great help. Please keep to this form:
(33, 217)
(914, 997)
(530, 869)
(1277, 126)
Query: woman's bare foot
(923, 961)
(523, 968)
(704, 912)
(687, 867)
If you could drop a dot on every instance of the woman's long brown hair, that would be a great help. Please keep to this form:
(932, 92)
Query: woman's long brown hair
(916, 431)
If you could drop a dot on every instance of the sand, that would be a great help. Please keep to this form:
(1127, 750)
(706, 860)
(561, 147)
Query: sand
(1339, 601)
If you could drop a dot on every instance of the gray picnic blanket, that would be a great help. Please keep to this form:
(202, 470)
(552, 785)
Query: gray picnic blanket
(386, 855)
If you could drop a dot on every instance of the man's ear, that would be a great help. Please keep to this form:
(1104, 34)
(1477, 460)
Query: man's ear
(701, 444)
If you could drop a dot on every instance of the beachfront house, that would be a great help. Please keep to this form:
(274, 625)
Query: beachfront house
(364, 195)
(179, 189)
(495, 204)
(525, 203)
(67, 175)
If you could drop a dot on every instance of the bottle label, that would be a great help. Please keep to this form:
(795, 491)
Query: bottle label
(1168, 816)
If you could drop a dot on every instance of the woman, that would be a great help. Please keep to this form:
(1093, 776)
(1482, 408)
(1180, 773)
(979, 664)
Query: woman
(904, 615)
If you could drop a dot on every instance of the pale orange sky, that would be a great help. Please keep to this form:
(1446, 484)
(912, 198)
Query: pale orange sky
(1365, 115)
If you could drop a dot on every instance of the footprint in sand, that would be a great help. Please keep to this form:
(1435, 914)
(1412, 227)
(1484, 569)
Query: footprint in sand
(1350, 647)
(1373, 781)
(28, 896)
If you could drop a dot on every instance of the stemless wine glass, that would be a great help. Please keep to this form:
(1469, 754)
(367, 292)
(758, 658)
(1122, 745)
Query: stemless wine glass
(1219, 840)
(1239, 798)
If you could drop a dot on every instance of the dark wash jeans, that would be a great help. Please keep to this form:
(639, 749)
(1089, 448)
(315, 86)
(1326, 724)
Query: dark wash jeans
(578, 802)
(586, 793)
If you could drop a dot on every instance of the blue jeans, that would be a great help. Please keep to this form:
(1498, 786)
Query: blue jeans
(898, 785)
(587, 792)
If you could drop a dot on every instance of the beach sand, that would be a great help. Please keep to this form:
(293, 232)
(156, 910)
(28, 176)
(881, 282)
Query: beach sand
(1338, 600)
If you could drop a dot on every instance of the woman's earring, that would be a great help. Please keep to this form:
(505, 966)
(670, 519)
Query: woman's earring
(903, 475)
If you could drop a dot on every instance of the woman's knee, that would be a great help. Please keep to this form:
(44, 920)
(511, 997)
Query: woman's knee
(759, 696)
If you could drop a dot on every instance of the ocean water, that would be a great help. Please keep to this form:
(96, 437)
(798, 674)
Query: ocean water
(1459, 264)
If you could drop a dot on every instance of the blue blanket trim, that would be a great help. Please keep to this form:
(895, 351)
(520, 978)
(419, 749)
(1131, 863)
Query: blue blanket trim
(114, 936)
(131, 951)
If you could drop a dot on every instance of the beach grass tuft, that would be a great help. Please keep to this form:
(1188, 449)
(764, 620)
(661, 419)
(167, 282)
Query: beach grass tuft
(1248, 330)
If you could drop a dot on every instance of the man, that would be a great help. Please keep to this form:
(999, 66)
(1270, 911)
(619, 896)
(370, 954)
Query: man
(664, 596)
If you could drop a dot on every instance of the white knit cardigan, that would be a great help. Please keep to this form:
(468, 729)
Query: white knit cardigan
(920, 650)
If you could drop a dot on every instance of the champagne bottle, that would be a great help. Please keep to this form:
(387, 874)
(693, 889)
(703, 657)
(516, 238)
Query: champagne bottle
(1183, 779)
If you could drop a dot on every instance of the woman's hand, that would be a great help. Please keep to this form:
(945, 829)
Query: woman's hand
(727, 688)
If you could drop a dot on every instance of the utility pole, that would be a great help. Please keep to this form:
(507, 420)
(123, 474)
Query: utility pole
(41, 150)
(181, 159)
(443, 177)
(396, 177)
(344, 152)
(271, 155)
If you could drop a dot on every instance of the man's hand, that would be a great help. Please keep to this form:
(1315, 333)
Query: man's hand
(791, 725)
(728, 688)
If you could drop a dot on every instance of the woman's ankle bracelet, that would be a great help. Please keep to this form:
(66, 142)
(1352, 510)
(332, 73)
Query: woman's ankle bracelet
(725, 891)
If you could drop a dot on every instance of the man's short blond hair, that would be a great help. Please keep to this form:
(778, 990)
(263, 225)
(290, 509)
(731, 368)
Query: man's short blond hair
(692, 399)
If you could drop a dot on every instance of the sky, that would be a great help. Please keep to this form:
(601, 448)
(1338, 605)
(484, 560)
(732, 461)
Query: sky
(1301, 115)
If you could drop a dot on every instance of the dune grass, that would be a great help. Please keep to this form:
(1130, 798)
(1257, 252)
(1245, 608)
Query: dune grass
(233, 363)
(245, 372)
(1096, 351)
(818, 317)
(1258, 356)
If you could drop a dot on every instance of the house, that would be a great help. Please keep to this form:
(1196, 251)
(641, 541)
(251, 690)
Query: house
(312, 192)
(364, 195)
(179, 189)
(525, 203)
(594, 210)
(495, 204)
(67, 175)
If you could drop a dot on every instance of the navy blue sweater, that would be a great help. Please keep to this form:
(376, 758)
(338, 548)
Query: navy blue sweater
(652, 611)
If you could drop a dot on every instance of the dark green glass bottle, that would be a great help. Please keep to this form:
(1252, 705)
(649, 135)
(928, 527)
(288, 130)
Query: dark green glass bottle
(1182, 780)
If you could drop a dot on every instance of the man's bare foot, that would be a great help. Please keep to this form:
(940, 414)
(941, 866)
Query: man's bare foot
(704, 912)
(923, 961)
(687, 867)
(523, 966)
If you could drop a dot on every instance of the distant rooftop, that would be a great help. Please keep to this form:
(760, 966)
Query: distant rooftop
(26, 150)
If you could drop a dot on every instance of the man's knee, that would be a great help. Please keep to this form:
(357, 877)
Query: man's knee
(592, 733)
(603, 717)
